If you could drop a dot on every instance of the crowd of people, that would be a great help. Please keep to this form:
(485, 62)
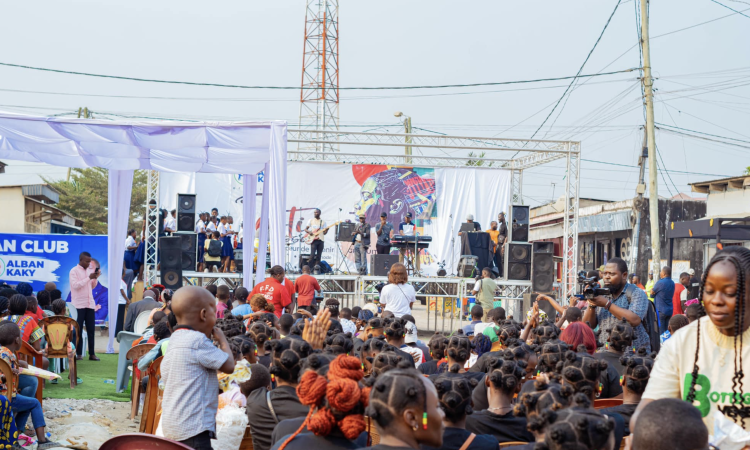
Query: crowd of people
(325, 376)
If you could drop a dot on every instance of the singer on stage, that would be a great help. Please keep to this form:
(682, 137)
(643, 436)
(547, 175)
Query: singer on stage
(362, 244)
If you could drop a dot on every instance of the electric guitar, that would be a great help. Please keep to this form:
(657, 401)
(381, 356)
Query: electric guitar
(314, 236)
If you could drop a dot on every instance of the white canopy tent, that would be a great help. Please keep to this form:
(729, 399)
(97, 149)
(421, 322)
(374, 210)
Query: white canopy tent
(121, 147)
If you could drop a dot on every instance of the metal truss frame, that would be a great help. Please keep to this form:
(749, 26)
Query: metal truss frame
(152, 223)
(570, 220)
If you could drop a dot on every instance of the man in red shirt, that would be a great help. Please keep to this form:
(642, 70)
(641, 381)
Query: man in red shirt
(676, 298)
(275, 292)
(305, 288)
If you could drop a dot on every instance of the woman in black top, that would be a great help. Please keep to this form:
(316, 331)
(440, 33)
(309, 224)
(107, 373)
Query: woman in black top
(581, 428)
(553, 397)
(620, 341)
(287, 355)
(503, 381)
(455, 401)
(404, 407)
(637, 372)
(437, 346)
(336, 405)
(261, 333)
(521, 352)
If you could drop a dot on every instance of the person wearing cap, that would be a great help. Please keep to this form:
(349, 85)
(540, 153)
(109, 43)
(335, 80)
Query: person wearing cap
(409, 344)
(384, 230)
(470, 220)
(694, 285)
(362, 244)
(650, 285)
(316, 247)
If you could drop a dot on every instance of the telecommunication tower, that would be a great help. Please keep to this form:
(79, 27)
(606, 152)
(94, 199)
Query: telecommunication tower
(319, 97)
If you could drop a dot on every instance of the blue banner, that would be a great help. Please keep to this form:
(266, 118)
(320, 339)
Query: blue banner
(41, 258)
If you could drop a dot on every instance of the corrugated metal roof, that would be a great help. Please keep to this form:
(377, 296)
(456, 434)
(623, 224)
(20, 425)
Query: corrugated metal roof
(615, 221)
(41, 191)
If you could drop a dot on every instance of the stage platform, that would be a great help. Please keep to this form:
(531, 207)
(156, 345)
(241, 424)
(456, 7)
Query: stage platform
(443, 302)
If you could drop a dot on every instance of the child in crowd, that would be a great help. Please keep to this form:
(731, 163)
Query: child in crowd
(22, 406)
(477, 312)
(189, 414)
(437, 345)
(222, 298)
(675, 323)
(655, 433)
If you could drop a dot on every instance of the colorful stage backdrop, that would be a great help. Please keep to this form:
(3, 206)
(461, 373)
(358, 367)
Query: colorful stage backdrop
(40, 258)
(439, 200)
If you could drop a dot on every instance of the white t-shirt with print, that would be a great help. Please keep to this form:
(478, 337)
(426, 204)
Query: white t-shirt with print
(123, 300)
(315, 225)
(671, 375)
(396, 298)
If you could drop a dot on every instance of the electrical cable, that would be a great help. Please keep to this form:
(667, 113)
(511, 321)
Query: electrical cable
(239, 86)
(731, 9)
(700, 132)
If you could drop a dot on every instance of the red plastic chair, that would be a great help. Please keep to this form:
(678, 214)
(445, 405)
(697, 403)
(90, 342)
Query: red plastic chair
(139, 441)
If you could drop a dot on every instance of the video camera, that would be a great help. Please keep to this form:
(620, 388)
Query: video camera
(588, 287)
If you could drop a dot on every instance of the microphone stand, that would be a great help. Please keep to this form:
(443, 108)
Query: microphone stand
(453, 247)
(415, 265)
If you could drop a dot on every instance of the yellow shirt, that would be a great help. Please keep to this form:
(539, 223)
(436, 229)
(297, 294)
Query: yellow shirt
(493, 235)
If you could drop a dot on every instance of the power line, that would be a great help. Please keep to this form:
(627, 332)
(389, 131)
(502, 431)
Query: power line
(239, 86)
(665, 170)
(579, 70)
(731, 9)
(700, 132)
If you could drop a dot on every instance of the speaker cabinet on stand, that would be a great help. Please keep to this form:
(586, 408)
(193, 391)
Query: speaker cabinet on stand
(170, 261)
(518, 262)
(189, 250)
(185, 213)
(543, 267)
(518, 228)
(380, 265)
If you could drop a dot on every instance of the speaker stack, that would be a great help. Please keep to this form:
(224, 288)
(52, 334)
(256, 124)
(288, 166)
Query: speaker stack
(380, 265)
(185, 213)
(543, 267)
(170, 260)
(518, 252)
(189, 250)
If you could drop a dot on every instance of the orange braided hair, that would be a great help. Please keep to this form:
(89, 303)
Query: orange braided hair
(337, 401)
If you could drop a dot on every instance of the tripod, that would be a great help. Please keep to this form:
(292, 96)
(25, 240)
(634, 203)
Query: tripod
(453, 248)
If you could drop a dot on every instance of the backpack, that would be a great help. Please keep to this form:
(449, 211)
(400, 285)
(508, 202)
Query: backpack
(214, 248)
(649, 322)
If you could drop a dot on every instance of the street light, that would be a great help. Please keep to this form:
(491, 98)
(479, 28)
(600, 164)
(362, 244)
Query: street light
(407, 129)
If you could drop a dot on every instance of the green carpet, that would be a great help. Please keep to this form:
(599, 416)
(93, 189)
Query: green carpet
(93, 374)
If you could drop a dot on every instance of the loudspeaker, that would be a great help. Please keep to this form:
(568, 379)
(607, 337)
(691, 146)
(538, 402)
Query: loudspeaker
(467, 266)
(542, 267)
(238, 259)
(189, 249)
(344, 231)
(186, 212)
(518, 261)
(170, 260)
(519, 220)
(380, 265)
(304, 260)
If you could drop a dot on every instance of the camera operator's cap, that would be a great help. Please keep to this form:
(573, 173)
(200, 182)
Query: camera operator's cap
(407, 215)
(691, 272)
(469, 217)
(383, 214)
(411, 333)
(362, 216)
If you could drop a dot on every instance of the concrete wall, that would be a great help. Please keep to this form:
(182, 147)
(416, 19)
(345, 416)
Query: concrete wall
(12, 208)
(730, 203)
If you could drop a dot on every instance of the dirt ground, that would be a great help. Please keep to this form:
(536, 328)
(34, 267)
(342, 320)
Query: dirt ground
(86, 424)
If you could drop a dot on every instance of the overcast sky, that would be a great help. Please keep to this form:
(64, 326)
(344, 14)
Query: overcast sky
(703, 72)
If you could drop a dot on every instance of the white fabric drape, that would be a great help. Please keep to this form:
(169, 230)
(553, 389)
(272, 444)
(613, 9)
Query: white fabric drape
(260, 270)
(120, 187)
(480, 192)
(249, 188)
(275, 182)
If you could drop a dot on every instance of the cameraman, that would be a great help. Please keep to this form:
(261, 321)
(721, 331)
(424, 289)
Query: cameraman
(605, 312)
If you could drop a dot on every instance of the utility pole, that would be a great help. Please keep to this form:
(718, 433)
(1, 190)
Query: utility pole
(638, 204)
(653, 194)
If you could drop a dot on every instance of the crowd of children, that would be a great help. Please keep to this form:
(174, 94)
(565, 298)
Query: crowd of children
(317, 383)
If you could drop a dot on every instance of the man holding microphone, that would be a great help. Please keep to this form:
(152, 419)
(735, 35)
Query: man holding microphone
(82, 282)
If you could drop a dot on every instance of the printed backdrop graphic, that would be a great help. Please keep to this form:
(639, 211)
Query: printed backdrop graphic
(40, 258)
(439, 200)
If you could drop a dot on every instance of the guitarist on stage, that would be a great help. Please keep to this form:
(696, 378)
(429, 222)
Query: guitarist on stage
(316, 247)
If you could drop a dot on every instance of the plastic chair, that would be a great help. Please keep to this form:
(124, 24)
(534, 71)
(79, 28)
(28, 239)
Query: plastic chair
(140, 441)
(85, 344)
(59, 332)
(10, 378)
(152, 403)
(33, 358)
(141, 322)
(134, 354)
(607, 403)
(126, 339)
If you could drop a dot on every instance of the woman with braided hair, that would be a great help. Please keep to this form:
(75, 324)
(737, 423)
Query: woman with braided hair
(552, 397)
(336, 405)
(580, 428)
(621, 337)
(504, 378)
(265, 409)
(260, 333)
(437, 345)
(454, 395)
(520, 352)
(369, 350)
(395, 333)
(338, 344)
(404, 406)
(385, 361)
(711, 348)
(638, 368)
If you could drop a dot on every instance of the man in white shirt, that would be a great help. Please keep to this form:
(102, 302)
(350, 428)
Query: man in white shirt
(170, 224)
(316, 247)
(122, 302)
(406, 228)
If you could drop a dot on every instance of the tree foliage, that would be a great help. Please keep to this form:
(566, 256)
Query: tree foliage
(477, 160)
(747, 171)
(85, 198)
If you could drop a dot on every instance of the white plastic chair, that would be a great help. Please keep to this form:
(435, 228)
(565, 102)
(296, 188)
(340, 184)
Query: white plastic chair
(141, 322)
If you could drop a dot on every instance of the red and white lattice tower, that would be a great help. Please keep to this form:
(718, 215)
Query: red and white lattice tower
(319, 98)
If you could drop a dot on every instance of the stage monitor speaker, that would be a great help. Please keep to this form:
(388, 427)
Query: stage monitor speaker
(380, 265)
(518, 261)
(542, 267)
(467, 266)
(344, 231)
(189, 249)
(519, 220)
(238, 259)
(186, 212)
(170, 260)
(304, 260)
